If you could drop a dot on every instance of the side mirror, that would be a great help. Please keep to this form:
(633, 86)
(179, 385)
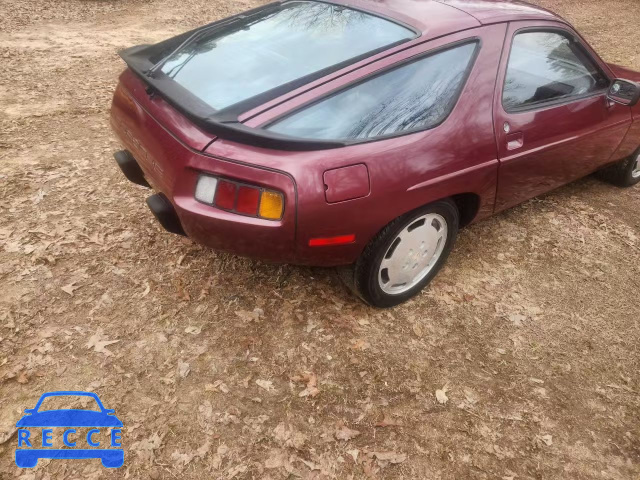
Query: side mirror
(29, 410)
(624, 92)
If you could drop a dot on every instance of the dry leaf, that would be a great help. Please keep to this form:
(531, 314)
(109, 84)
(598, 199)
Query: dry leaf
(6, 436)
(312, 382)
(417, 330)
(276, 459)
(441, 395)
(69, 289)
(360, 344)
(388, 422)
(23, 377)
(517, 319)
(345, 433)
(204, 449)
(99, 345)
(193, 330)
(266, 385)
(145, 447)
(546, 439)
(183, 294)
(183, 369)
(354, 454)
(222, 387)
(146, 290)
(312, 466)
(232, 472)
(181, 459)
(391, 457)
(250, 316)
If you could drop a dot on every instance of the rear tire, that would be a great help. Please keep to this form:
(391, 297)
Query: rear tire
(406, 255)
(625, 173)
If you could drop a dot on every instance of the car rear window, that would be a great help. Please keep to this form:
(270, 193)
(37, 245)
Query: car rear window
(415, 96)
(263, 53)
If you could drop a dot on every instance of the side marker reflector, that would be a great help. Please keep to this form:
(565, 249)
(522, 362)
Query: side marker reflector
(339, 240)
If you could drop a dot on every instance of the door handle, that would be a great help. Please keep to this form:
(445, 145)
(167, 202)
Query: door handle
(515, 140)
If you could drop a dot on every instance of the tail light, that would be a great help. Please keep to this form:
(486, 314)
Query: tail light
(240, 198)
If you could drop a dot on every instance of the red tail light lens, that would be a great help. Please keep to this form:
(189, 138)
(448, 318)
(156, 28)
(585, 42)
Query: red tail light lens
(226, 195)
(248, 199)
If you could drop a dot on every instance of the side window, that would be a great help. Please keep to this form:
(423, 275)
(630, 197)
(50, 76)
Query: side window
(548, 66)
(415, 96)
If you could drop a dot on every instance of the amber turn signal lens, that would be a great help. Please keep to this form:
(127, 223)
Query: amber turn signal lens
(271, 205)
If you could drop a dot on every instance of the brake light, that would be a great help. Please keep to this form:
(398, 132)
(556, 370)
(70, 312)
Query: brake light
(248, 199)
(239, 197)
(226, 195)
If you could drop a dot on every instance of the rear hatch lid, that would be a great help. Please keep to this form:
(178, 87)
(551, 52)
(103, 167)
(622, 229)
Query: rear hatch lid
(213, 74)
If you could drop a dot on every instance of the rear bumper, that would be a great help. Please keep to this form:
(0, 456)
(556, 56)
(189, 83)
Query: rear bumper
(172, 169)
(178, 212)
(268, 240)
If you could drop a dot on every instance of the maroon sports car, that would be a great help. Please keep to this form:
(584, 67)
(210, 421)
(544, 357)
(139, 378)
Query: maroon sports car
(367, 133)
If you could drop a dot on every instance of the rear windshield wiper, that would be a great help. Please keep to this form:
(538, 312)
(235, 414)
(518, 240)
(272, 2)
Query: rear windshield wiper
(192, 38)
(207, 30)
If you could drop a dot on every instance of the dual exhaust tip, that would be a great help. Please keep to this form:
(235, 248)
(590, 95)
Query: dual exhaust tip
(158, 203)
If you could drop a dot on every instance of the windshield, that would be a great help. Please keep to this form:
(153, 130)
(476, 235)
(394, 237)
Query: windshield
(261, 54)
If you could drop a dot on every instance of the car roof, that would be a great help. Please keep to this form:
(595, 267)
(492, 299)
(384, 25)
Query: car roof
(448, 16)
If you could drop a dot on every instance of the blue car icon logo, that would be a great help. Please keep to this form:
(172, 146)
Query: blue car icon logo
(27, 455)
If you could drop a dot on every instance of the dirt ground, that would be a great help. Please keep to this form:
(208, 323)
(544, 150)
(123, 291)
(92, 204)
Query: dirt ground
(519, 362)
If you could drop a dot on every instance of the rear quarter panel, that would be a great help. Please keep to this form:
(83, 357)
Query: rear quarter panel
(171, 162)
(406, 172)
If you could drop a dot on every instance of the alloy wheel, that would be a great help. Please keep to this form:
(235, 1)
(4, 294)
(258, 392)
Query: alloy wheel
(413, 254)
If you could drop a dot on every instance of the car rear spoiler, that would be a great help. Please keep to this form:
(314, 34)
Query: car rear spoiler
(146, 61)
(222, 123)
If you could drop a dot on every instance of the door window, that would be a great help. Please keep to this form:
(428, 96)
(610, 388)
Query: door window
(548, 67)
